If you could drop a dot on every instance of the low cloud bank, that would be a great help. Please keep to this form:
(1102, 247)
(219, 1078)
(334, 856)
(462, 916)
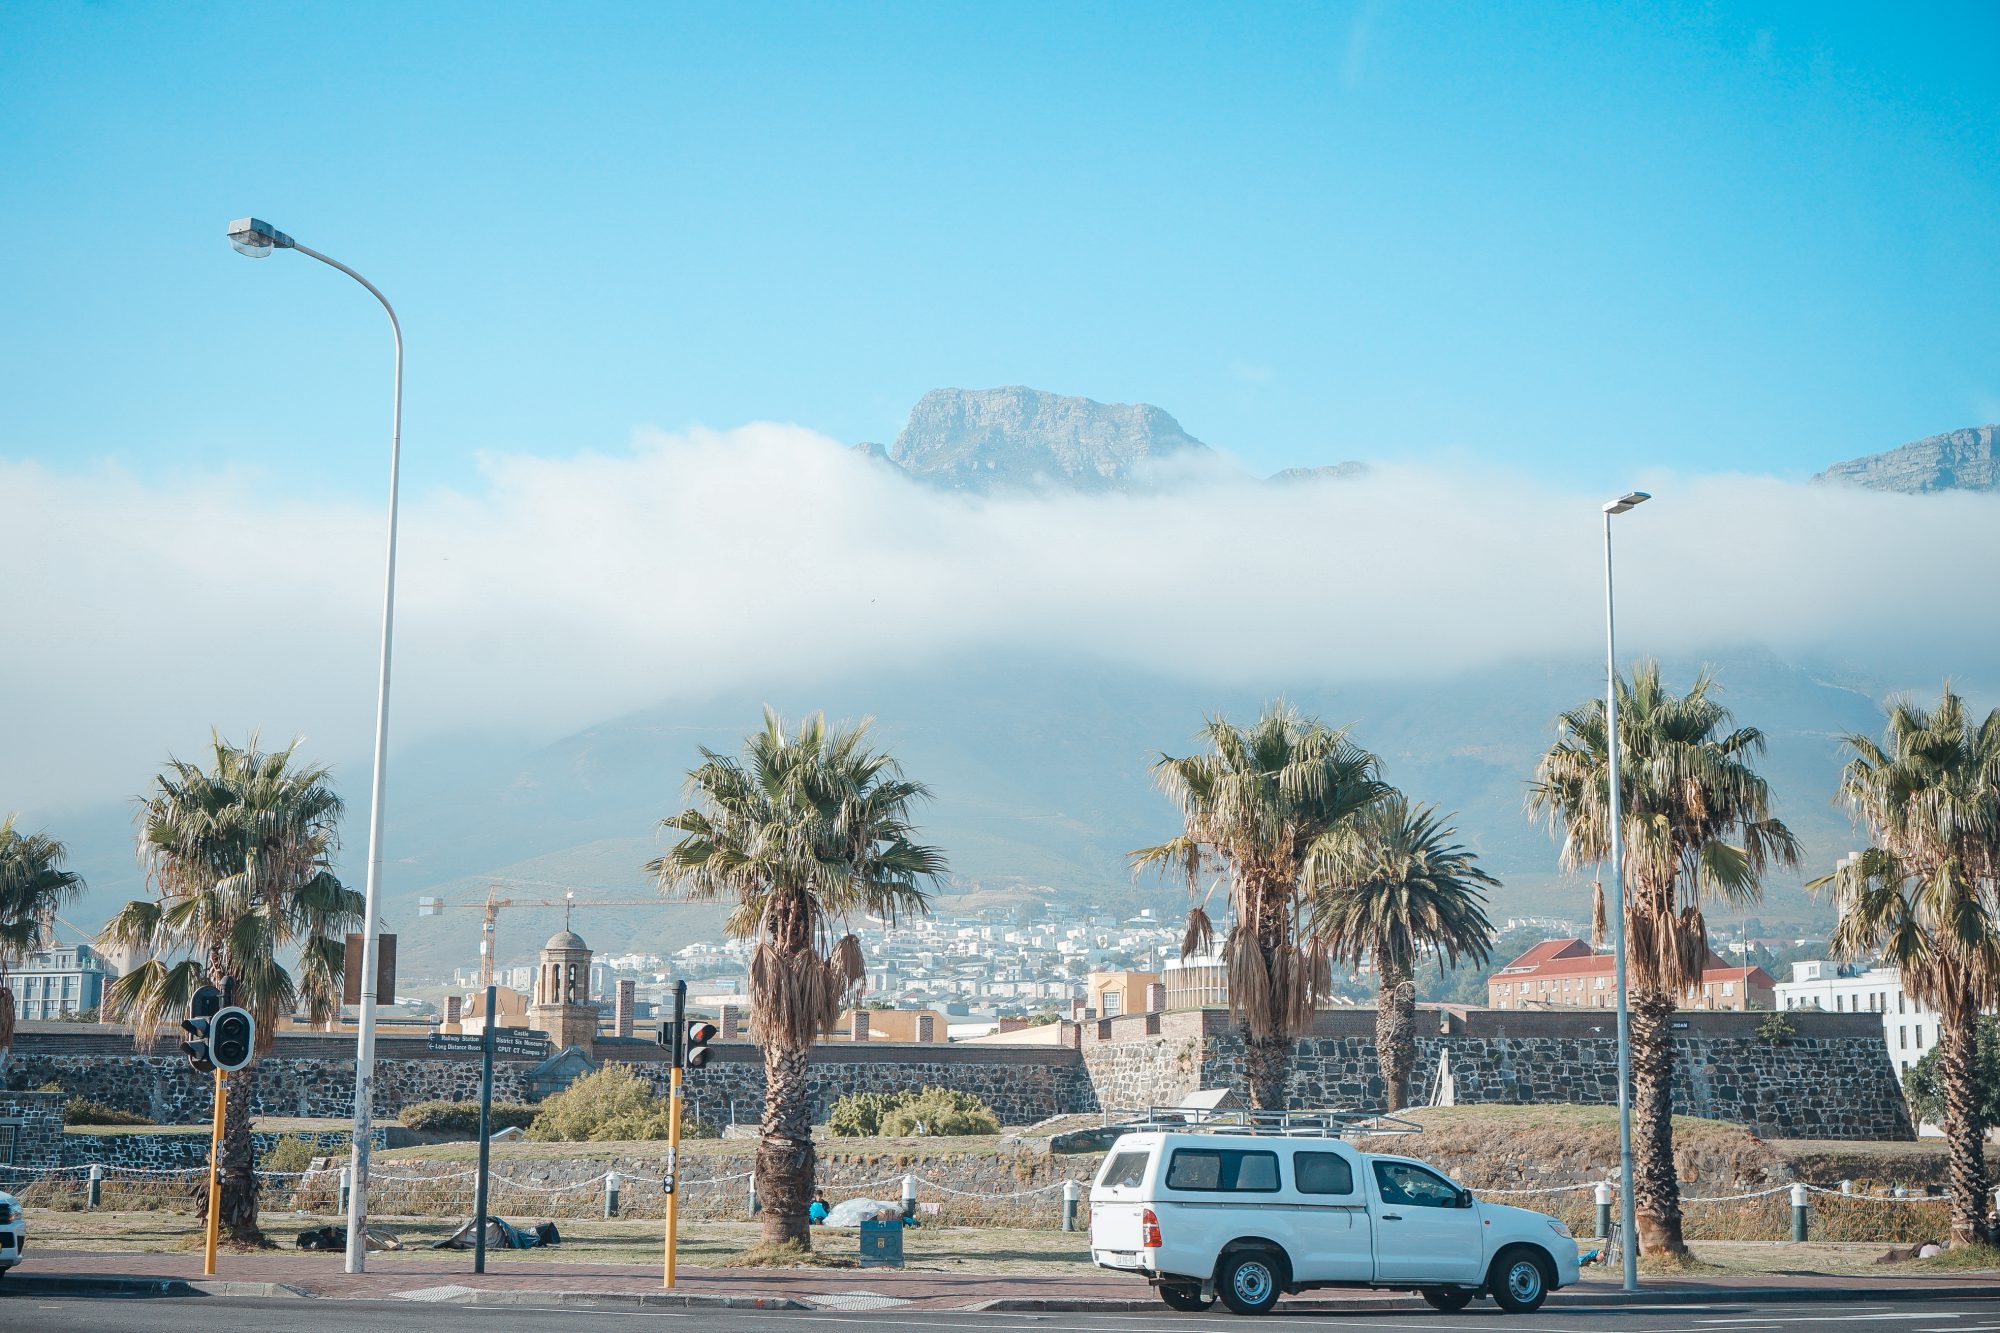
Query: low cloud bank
(567, 590)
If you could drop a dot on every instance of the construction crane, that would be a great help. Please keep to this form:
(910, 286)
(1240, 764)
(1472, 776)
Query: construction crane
(490, 918)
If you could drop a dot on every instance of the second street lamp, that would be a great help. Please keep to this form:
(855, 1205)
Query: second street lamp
(257, 239)
(1627, 1212)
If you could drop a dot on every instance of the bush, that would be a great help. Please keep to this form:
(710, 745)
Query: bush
(1923, 1083)
(83, 1111)
(463, 1117)
(910, 1113)
(612, 1105)
(291, 1154)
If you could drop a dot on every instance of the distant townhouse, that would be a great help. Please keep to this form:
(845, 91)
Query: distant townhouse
(1570, 974)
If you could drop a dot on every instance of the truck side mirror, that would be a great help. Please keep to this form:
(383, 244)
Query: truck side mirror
(1465, 1199)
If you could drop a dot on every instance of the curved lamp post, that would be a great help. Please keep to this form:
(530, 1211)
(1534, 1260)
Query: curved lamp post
(1627, 1210)
(258, 239)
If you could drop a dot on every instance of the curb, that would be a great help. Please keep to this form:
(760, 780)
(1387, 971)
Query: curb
(1569, 1300)
(629, 1300)
(81, 1284)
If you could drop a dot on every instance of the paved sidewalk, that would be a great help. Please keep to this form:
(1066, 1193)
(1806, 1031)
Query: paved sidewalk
(449, 1277)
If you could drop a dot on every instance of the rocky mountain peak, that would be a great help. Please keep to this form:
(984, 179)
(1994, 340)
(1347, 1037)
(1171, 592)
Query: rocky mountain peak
(983, 439)
(1959, 460)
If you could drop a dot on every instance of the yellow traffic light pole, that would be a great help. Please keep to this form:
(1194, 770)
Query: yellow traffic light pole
(215, 1173)
(673, 1167)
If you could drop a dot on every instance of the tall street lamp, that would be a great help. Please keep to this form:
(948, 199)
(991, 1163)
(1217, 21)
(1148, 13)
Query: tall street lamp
(258, 239)
(1627, 1212)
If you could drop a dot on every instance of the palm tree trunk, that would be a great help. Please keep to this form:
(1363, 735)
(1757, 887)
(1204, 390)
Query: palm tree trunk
(1656, 1190)
(236, 1175)
(1965, 1136)
(1396, 1036)
(785, 1158)
(1267, 1067)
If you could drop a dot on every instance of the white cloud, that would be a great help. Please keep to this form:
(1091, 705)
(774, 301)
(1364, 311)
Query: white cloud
(567, 590)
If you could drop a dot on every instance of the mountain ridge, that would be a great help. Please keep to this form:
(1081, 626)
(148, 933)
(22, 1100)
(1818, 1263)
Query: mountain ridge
(1957, 460)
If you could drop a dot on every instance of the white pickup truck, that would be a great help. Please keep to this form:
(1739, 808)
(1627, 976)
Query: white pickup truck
(1250, 1216)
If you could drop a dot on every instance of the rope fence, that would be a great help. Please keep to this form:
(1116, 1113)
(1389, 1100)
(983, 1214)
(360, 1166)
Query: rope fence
(1836, 1213)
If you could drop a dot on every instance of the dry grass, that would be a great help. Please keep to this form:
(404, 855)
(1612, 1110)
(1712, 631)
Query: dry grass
(787, 1254)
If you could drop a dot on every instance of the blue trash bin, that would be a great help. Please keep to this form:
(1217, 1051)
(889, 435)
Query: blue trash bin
(882, 1244)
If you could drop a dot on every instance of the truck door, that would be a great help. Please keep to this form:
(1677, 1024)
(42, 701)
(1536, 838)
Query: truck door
(1333, 1230)
(1421, 1232)
(1118, 1202)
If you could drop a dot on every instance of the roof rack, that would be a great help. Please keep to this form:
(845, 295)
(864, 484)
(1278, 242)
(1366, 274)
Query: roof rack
(1309, 1123)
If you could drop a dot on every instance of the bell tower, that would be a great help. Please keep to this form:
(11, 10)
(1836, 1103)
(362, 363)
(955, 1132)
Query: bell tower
(562, 1006)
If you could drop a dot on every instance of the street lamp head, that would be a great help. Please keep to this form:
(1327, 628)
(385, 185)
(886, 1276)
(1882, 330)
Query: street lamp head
(1626, 502)
(256, 238)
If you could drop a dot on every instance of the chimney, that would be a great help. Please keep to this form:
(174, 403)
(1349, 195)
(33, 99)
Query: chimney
(860, 1029)
(622, 1011)
(1156, 995)
(926, 1027)
(732, 1022)
(454, 1006)
(1013, 1024)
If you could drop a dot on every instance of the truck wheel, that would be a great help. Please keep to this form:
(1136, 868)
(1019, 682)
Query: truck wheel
(1519, 1281)
(1248, 1282)
(1448, 1299)
(1187, 1299)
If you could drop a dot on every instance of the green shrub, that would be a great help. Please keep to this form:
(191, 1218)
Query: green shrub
(291, 1154)
(858, 1115)
(910, 1113)
(463, 1117)
(612, 1105)
(83, 1111)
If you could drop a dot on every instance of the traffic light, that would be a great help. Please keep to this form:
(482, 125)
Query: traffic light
(232, 1038)
(694, 1052)
(203, 1006)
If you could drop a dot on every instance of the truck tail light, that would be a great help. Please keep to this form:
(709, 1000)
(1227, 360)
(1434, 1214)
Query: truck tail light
(1149, 1230)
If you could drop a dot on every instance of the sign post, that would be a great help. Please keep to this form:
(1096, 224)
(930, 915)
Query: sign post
(215, 1173)
(485, 1135)
(674, 1127)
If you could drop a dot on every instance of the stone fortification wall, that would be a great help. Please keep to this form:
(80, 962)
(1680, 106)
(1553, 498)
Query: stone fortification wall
(34, 1133)
(1829, 1078)
(184, 1152)
(1022, 1084)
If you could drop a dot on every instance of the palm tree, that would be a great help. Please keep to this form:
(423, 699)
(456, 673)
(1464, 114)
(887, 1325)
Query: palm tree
(240, 857)
(1686, 786)
(1388, 889)
(803, 832)
(1255, 806)
(33, 885)
(1926, 897)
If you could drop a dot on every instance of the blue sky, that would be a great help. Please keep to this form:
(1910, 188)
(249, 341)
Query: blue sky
(1580, 241)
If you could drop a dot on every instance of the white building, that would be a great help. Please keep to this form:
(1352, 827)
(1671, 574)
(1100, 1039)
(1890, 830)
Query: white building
(1909, 1028)
(65, 979)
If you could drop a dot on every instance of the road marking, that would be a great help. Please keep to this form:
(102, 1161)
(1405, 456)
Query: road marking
(1830, 1318)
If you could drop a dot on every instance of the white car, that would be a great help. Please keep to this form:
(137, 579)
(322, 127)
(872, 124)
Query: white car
(1248, 1216)
(13, 1233)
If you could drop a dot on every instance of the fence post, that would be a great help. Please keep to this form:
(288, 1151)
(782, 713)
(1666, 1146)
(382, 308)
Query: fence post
(909, 1197)
(346, 1185)
(611, 1183)
(1603, 1194)
(1847, 1187)
(756, 1205)
(1072, 1193)
(1798, 1212)
(96, 1186)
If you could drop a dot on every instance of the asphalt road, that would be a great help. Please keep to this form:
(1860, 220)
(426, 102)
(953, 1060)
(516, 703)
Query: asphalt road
(19, 1311)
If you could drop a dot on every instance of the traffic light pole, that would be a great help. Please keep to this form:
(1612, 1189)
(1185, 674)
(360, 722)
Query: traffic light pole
(485, 1135)
(673, 1209)
(215, 1173)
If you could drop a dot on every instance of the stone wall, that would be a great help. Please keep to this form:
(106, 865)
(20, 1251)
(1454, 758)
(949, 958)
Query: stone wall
(36, 1119)
(1831, 1078)
(1022, 1084)
(184, 1152)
